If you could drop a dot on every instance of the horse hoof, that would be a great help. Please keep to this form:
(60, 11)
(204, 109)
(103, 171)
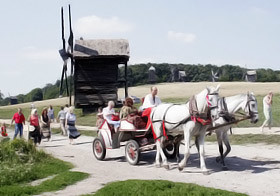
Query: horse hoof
(157, 165)
(180, 168)
(166, 167)
(225, 168)
(218, 159)
(206, 172)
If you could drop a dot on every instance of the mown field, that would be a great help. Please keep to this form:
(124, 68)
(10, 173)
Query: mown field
(168, 92)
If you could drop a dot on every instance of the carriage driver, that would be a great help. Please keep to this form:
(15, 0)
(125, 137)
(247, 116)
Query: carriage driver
(151, 99)
(108, 112)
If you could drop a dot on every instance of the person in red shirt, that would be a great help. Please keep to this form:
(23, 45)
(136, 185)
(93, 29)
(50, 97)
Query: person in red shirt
(19, 119)
(34, 127)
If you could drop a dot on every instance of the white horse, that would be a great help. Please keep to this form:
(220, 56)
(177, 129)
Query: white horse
(225, 113)
(177, 120)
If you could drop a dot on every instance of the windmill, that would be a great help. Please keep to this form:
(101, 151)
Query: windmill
(66, 54)
(214, 76)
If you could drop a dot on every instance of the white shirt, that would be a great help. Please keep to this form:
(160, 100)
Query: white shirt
(107, 113)
(50, 111)
(61, 114)
(150, 102)
(71, 117)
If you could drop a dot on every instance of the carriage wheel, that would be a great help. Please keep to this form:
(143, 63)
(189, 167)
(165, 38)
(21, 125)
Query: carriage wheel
(170, 150)
(99, 149)
(132, 152)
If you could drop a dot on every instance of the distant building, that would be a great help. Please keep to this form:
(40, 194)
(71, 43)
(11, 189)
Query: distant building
(13, 100)
(251, 76)
(152, 75)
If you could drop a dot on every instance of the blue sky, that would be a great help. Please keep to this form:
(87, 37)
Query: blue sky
(239, 32)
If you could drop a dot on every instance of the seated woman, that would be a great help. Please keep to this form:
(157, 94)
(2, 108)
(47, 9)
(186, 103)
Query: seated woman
(131, 113)
(128, 108)
(108, 112)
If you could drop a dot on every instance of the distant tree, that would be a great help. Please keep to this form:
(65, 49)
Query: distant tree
(36, 94)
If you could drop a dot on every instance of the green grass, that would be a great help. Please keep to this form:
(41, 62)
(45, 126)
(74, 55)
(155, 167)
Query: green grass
(248, 139)
(22, 163)
(158, 187)
(90, 119)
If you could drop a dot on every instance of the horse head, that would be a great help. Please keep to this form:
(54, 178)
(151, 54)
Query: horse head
(251, 107)
(207, 100)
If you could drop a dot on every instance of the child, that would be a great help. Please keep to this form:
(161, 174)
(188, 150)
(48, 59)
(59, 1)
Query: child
(3, 130)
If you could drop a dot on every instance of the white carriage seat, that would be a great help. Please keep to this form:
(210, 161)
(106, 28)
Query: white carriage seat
(126, 125)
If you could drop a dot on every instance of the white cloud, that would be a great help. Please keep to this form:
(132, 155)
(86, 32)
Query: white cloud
(94, 25)
(33, 53)
(179, 36)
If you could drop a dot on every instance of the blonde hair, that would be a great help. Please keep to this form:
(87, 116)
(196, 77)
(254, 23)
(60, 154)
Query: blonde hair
(33, 111)
(71, 109)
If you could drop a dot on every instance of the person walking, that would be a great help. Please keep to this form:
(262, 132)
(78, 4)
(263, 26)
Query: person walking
(46, 130)
(70, 125)
(51, 113)
(267, 111)
(61, 118)
(19, 120)
(34, 127)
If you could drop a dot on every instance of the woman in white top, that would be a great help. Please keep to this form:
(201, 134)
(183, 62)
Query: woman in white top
(267, 110)
(107, 114)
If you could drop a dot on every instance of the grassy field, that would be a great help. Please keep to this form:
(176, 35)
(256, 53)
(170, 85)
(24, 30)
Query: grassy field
(159, 187)
(249, 139)
(169, 92)
(22, 164)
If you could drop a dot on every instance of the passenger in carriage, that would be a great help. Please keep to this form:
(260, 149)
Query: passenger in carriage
(108, 113)
(128, 108)
(151, 99)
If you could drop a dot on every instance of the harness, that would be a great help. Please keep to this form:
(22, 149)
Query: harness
(194, 116)
(231, 118)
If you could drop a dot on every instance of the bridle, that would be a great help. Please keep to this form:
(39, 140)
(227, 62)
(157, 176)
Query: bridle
(251, 113)
(231, 117)
(209, 104)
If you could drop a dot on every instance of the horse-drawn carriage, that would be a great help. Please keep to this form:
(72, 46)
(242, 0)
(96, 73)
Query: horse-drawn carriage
(136, 140)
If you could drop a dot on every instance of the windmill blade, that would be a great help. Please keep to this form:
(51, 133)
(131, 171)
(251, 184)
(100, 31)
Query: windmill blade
(70, 47)
(62, 53)
(67, 89)
(61, 81)
(62, 27)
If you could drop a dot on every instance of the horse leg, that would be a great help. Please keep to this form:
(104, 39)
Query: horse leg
(163, 157)
(226, 142)
(201, 138)
(177, 149)
(158, 153)
(197, 144)
(187, 137)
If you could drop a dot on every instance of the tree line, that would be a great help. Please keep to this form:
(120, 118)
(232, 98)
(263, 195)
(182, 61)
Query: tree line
(138, 75)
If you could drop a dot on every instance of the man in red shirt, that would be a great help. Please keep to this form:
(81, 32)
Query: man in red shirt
(19, 119)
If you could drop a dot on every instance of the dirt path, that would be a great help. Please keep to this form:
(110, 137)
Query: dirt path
(253, 169)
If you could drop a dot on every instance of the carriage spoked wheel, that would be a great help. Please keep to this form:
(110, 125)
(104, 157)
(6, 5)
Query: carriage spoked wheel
(132, 152)
(99, 149)
(170, 150)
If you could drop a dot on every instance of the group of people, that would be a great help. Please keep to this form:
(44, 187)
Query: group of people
(108, 113)
(39, 126)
